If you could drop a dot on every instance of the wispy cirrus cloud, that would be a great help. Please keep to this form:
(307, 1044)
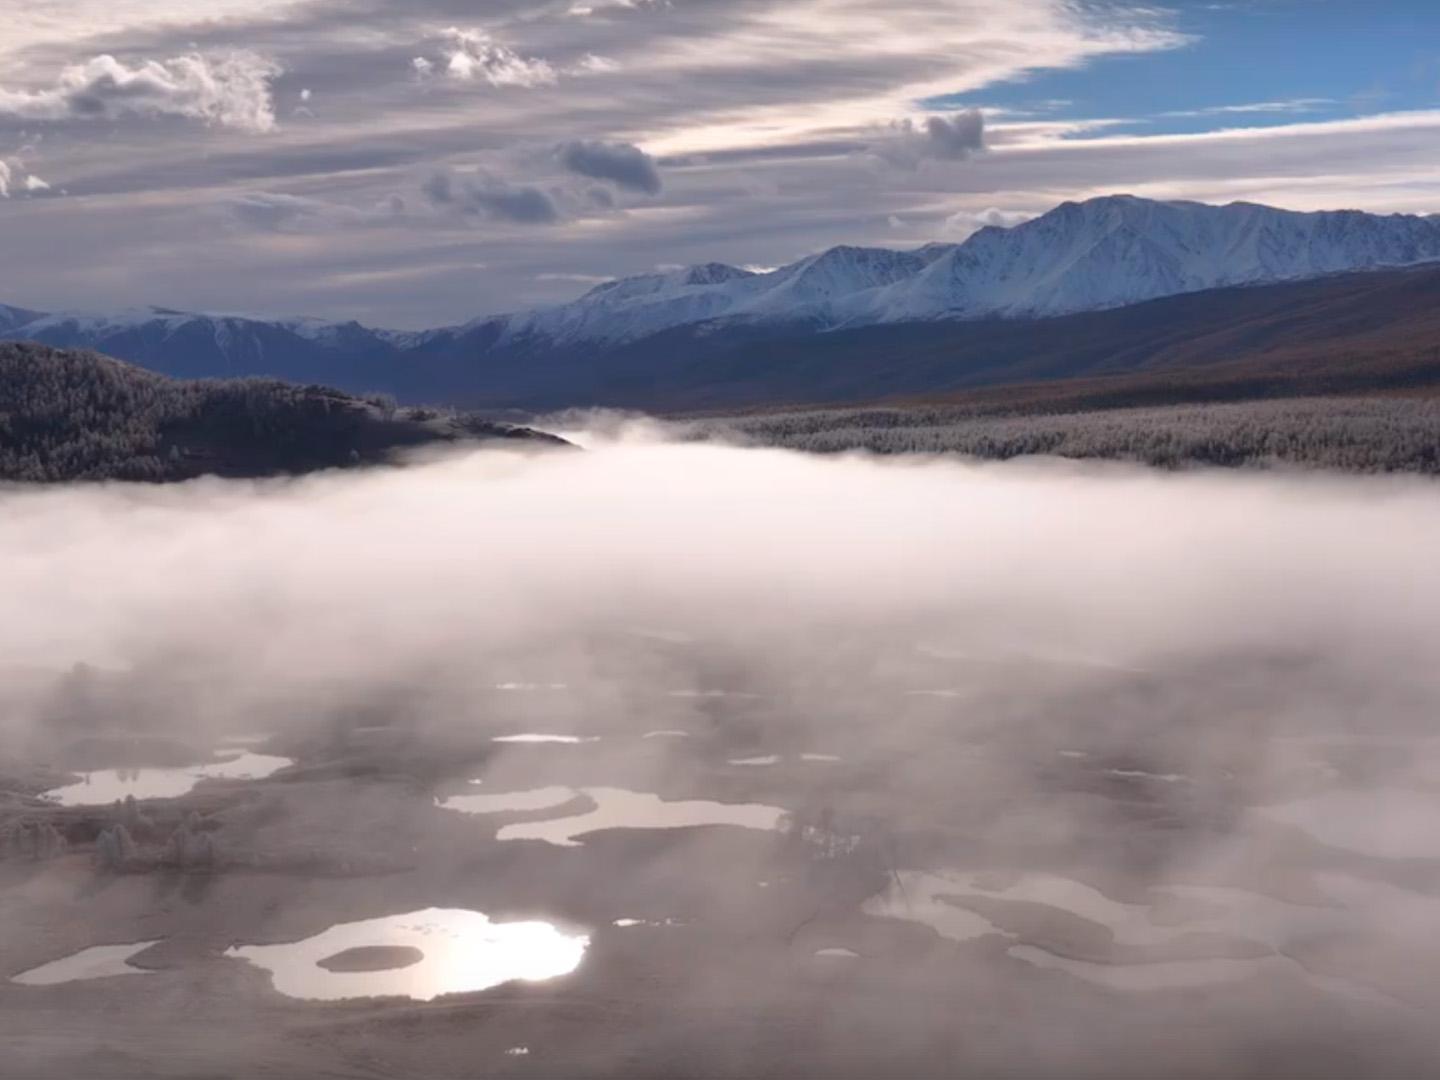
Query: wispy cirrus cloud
(279, 212)
(1292, 105)
(574, 279)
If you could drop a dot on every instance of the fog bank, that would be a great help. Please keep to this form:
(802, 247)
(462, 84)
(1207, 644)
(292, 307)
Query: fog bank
(380, 574)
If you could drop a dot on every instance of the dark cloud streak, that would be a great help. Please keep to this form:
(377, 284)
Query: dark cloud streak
(621, 164)
(956, 136)
(498, 200)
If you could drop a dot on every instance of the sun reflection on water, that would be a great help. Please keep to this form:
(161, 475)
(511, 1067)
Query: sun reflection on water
(463, 951)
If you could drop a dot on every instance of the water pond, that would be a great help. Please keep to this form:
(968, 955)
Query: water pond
(96, 962)
(106, 785)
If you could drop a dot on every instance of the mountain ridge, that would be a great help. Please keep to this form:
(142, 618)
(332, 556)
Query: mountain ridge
(1105, 253)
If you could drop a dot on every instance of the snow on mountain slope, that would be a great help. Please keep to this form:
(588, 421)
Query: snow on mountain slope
(823, 288)
(11, 317)
(1120, 250)
(1104, 253)
(820, 291)
(189, 344)
(630, 308)
(84, 326)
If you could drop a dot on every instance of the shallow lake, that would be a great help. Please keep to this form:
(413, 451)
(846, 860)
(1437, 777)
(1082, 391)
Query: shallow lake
(926, 897)
(614, 808)
(516, 801)
(918, 895)
(106, 785)
(96, 962)
(935, 898)
(618, 808)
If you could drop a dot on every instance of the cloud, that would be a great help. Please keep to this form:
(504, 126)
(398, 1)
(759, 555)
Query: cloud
(957, 136)
(622, 164)
(964, 222)
(611, 7)
(439, 188)
(576, 279)
(232, 90)
(474, 54)
(524, 204)
(498, 200)
(44, 27)
(595, 65)
(10, 175)
(268, 210)
(278, 212)
(1291, 105)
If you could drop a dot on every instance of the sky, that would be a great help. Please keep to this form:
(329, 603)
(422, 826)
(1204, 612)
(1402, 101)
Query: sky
(416, 163)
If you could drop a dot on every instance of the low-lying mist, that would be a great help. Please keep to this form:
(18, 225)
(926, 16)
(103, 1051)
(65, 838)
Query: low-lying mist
(900, 607)
(492, 567)
(1139, 681)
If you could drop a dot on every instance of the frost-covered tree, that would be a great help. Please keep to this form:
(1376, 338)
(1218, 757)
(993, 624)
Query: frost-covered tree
(1351, 434)
(190, 846)
(129, 814)
(115, 849)
(31, 840)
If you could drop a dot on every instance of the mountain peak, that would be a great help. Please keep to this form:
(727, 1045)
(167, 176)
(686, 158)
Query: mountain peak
(713, 273)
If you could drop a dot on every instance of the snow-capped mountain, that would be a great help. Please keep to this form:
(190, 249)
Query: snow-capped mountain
(1104, 253)
(190, 344)
(629, 308)
(1121, 250)
(11, 317)
(820, 292)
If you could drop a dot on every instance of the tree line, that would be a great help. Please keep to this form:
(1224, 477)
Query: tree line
(75, 415)
(1370, 435)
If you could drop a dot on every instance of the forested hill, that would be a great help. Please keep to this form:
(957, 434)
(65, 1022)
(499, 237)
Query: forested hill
(76, 415)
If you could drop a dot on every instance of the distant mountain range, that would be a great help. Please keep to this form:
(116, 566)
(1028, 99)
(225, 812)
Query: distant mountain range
(665, 339)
